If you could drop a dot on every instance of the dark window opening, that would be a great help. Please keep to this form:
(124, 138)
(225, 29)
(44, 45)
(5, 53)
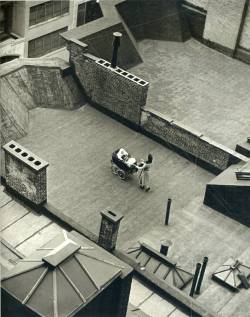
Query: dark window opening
(88, 11)
(8, 58)
(6, 11)
(48, 10)
(46, 44)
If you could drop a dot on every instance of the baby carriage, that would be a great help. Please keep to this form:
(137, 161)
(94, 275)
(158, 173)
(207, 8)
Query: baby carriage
(122, 164)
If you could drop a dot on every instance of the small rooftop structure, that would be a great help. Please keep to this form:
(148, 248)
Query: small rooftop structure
(243, 173)
(161, 266)
(62, 278)
(230, 274)
(27, 157)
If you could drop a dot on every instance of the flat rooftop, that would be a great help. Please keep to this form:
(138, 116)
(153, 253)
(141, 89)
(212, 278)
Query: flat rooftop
(192, 84)
(78, 146)
(198, 86)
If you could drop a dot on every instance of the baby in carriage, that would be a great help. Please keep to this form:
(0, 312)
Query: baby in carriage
(126, 158)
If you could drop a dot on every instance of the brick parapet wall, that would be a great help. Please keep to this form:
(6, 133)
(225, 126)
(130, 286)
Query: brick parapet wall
(202, 149)
(108, 87)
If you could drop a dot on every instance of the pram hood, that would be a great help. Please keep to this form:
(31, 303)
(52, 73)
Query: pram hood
(126, 165)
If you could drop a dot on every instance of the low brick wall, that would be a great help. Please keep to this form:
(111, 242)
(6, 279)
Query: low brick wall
(190, 143)
(116, 90)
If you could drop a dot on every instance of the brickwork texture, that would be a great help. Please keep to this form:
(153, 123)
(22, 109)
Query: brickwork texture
(188, 140)
(27, 182)
(107, 88)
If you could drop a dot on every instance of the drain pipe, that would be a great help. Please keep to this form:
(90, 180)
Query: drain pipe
(168, 211)
(203, 268)
(196, 274)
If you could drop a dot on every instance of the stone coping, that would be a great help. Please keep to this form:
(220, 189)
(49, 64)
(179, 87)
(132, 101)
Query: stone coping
(37, 62)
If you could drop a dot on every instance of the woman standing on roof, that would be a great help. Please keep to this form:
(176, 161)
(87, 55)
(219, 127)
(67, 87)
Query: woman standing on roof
(144, 173)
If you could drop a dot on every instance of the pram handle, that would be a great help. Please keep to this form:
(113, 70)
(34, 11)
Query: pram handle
(140, 166)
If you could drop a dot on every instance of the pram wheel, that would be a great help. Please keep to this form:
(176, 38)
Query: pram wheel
(122, 175)
(114, 169)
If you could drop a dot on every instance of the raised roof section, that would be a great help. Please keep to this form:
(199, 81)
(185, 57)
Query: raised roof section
(61, 253)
